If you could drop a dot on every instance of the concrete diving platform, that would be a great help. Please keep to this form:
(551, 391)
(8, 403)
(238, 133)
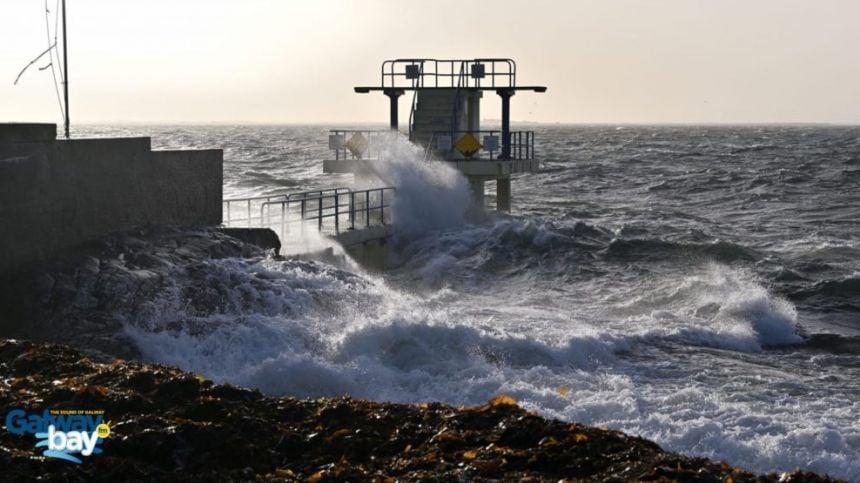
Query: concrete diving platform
(444, 120)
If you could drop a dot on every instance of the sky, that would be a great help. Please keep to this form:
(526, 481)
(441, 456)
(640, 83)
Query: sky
(286, 61)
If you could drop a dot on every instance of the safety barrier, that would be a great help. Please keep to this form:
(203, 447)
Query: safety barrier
(329, 211)
(447, 73)
(363, 144)
(478, 145)
(251, 205)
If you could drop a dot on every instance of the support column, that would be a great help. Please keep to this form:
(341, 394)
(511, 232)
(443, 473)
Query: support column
(506, 95)
(477, 187)
(503, 194)
(393, 94)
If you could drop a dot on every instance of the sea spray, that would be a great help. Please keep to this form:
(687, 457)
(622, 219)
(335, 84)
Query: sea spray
(629, 328)
(669, 369)
(431, 195)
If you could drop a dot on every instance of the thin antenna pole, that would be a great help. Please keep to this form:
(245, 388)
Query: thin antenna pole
(66, 69)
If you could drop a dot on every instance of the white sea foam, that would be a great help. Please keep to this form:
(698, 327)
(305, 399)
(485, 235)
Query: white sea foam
(675, 350)
(306, 329)
(431, 195)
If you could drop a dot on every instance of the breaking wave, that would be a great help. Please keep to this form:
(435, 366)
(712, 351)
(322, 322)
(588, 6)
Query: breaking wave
(682, 284)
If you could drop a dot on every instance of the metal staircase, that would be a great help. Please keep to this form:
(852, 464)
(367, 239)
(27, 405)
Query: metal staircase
(440, 109)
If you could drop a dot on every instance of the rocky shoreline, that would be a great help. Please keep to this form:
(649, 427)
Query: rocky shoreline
(167, 424)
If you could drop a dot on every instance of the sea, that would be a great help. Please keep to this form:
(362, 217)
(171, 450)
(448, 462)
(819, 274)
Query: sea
(698, 286)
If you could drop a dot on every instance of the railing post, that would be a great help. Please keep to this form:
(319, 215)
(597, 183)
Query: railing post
(367, 208)
(336, 213)
(532, 145)
(382, 206)
(320, 212)
(520, 145)
(302, 221)
(351, 210)
(249, 215)
(228, 213)
(283, 222)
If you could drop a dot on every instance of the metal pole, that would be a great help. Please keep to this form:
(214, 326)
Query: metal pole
(351, 210)
(336, 214)
(302, 221)
(66, 69)
(506, 94)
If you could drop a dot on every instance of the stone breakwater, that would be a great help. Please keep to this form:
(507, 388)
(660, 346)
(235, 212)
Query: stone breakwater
(167, 424)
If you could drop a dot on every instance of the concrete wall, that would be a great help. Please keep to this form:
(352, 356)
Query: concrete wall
(55, 194)
(368, 246)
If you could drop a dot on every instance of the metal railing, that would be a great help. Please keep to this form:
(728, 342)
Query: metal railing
(328, 211)
(346, 143)
(522, 144)
(457, 107)
(414, 106)
(441, 144)
(249, 206)
(427, 73)
(332, 213)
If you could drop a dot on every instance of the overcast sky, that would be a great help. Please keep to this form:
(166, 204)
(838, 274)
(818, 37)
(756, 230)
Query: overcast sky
(284, 61)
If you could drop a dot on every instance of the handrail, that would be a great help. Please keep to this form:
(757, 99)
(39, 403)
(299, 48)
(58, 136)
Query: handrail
(343, 151)
(522, 143)
(428, 149)
(414, 99)
(249, 201)
(456, 106)
(358, 204)
(333, 210)
(262, 197)
(502, 73)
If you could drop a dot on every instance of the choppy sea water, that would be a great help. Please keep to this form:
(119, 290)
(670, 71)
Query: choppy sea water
(697, 286)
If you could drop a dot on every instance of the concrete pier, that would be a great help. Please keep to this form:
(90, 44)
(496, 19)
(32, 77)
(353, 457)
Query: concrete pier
(503, 194)
(476, 185)
(367, 246)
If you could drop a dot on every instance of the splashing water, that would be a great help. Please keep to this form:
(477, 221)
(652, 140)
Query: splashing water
(664, 276)
(431, 195)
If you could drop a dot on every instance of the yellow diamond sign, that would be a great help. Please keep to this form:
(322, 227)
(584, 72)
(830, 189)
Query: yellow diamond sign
(467, 145)
(357, 145)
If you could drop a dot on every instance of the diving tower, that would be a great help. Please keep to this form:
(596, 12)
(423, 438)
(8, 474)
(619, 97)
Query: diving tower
(444, 119)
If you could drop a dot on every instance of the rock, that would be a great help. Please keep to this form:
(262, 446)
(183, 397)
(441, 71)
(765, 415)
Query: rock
(90, 266)
(261, 237)
(170, 425)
